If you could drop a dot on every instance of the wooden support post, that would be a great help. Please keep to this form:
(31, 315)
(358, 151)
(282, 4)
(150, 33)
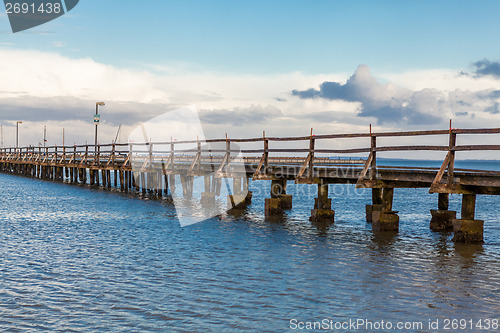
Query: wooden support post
(137, 181)
(376, 192)
(143, 183)
(451, 166)
(125, 181)
(467, 229)
(159, 178)
(116, 178)
(104, 179)
(122, 180)
(108, 178)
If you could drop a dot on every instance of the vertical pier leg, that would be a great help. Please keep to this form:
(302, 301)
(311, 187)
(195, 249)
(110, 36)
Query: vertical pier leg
(143, 183)
(376, 204)
(104, 179)
(207, 197)
(108, 177)
(122, 180)
(125, 181)
(238, 200)
(137, 182)
(166, 184)
(322, 211)
(442, 218)
(172, 183)
(187, 186)
(467, 229)
(279, 199)
(249, 194)
(386, 219)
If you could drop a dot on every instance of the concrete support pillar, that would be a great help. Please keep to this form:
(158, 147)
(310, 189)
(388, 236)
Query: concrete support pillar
(172, 183)
(376, 204)
(137, 182)
(104, 178)
(240, 198)
(322, 211)
(386, 219)
(125, 181)
(467, 229)
(187, 186)
(442, 217)
(279, 199)
(165, 189)
(108, 177)
(207, 197)
(122, 180)
(143, 183)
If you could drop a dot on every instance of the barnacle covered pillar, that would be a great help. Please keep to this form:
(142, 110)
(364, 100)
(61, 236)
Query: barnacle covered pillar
(279, 199)
(467, 229)
(386, 219)
(442, 218)
(322, 211)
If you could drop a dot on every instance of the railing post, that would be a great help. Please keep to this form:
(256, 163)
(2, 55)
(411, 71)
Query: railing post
(172, 152)
(113, 153)
(228, 151)
(150, 155)
(199, 152)
(266, 153)
(451, 166)
(98, 157)
(373, 169)
(311, 154)
(63, 161)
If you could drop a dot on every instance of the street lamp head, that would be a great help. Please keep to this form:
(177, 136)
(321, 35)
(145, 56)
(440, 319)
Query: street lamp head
(19, 122)
(100, 103)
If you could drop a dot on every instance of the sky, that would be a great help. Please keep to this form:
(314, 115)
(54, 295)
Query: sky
(249, 66)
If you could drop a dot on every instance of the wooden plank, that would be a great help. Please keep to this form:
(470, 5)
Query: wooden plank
(365, 169)
(412, 148)
(442, 170)
(304, 166)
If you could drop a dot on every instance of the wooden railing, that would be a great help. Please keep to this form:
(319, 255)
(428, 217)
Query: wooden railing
(111, 154)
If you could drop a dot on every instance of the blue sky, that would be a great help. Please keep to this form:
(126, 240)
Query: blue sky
(273, 36)
(248, 66)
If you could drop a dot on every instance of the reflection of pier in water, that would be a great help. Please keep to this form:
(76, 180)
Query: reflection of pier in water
(153, 168)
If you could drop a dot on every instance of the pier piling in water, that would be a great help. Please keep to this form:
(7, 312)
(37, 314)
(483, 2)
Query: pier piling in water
(154, 174)
(322, 211)
(442, 218)
(467, 229)
(386, 219)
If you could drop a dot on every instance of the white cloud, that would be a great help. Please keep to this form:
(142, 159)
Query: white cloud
(47, 89)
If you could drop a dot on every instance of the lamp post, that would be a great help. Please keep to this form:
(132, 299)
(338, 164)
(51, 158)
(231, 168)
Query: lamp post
(17, 133)
(96, 121)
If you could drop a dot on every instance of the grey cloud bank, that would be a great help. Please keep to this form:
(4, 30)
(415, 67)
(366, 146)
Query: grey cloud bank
(393, 105)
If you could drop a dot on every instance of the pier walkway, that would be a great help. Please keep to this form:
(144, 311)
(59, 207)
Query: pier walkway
(152, 168)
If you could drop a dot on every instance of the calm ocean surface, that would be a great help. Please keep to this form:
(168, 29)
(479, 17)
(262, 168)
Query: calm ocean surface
(76, 259)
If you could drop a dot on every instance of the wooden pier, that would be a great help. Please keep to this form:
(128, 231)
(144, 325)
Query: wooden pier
(151, 169)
